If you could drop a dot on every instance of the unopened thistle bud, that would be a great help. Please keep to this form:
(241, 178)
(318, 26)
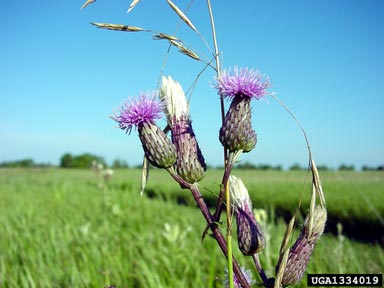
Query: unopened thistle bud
(236, 132)
(302, 250)
(250, 237)
(141, 113)
(190, 164)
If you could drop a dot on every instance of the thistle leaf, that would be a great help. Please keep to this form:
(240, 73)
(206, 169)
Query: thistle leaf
(182, 16)
(86, 3)
(118, 27)
(133, 4)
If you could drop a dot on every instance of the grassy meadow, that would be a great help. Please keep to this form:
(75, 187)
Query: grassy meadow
(58, 228)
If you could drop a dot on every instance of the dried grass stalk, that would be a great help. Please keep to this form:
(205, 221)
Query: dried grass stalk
(293, 261)
(188, 52)
(174, 41)
(118, 27)
(144, 175)
(284, 253)
(317, 184)
(133, 4)
(163, 36)
(182, 16)
(86, 3)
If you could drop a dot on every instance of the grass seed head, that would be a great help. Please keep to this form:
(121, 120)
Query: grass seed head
(118, 27)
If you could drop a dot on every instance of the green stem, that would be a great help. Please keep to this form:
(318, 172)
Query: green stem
(229, 221)
(229, 237)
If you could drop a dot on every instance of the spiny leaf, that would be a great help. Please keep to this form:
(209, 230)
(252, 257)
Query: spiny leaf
(86, 3)
(182, 15)
(118, 27)
(133, 4)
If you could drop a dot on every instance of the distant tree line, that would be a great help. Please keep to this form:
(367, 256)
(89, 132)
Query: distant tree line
(249, 165)
(24, 163)
(369, 168)
(85, 160)
(298, 167)
(67, 160)
(80, 161)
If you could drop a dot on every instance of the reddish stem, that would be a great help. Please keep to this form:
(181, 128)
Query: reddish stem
(212, 225)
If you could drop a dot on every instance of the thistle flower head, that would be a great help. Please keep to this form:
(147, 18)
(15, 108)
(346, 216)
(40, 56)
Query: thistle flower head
(241, 87)
(239, 193)
(173, 96)
(190, 164)
(247, 274)
(158, 149)
(236, 133)
(317, 220)
(242, 82)
(139, 111)
(303, 248)
(249, 235)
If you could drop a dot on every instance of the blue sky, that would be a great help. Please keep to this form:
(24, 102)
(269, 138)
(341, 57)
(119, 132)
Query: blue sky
(61, 78)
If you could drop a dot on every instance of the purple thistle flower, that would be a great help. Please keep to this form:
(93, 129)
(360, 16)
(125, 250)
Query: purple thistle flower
(247, 274)
(242, 82)
(139, 111)
(241, 87)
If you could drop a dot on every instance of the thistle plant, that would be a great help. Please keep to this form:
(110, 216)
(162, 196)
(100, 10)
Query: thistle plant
(141, 113)
(190, 163)
(241, 87)
(179, 153)
(250, 237)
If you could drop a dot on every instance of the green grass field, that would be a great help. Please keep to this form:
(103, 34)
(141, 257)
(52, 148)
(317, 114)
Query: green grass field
(58, 229)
